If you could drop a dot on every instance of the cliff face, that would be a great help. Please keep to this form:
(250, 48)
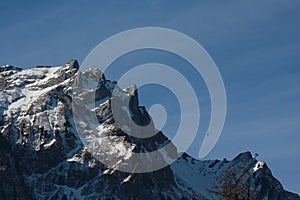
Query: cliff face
(43, 157)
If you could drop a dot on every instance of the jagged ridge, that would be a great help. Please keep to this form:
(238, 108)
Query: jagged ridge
(42, 156)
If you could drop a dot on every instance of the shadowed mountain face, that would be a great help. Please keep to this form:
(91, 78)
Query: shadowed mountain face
(43, 157)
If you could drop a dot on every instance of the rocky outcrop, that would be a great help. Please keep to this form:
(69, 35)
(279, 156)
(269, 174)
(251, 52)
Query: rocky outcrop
(43, 157)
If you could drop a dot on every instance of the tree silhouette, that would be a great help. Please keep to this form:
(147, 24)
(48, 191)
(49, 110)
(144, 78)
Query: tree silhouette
(235, 184)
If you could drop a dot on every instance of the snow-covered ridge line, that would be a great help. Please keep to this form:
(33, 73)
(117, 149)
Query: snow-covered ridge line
(41, 149)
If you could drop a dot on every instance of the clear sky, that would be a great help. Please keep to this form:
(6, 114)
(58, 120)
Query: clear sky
(255, 44)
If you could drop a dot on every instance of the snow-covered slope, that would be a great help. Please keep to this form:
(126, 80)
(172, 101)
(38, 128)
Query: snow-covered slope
(42, 156)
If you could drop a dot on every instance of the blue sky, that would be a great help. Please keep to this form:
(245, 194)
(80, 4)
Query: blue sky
(255, 45)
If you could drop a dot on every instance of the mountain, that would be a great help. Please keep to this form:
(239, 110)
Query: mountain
(42, 155)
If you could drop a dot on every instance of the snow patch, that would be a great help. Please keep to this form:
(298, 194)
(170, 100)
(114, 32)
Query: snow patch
(50, 143)
(258, 165)
(128, 178)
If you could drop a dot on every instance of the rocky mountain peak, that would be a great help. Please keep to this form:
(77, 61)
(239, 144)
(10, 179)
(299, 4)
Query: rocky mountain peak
(43, 156)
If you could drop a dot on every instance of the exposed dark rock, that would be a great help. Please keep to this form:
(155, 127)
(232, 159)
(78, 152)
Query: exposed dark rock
(43, 157)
